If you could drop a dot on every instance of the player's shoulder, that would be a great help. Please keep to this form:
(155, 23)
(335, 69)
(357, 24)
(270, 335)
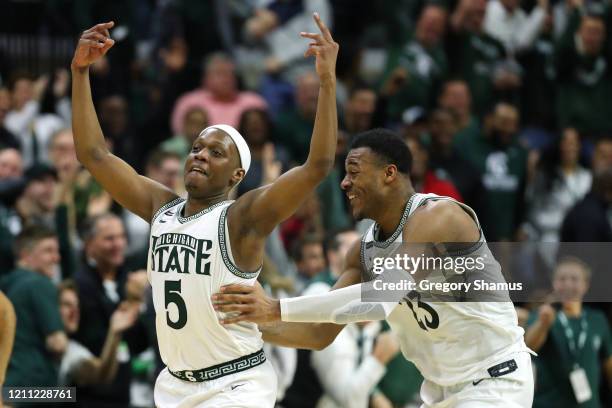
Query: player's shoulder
(441, 220)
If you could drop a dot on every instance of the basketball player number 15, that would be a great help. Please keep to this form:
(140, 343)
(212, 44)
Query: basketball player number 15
(172, 294)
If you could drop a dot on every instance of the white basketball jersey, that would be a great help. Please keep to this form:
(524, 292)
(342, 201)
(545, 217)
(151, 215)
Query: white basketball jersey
(189, 260)
(449, 342)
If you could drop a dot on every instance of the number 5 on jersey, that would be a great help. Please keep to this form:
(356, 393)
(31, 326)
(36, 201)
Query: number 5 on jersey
(172, 294)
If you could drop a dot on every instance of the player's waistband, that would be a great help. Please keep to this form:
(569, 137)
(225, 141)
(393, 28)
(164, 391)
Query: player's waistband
(223, 369)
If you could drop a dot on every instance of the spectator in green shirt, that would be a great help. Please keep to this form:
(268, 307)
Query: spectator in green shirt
(294, 125)
(39, 339)
(583, 67)
(477, 57)
(456, 97)
(575, 337)
(418, 63)
(502, 163)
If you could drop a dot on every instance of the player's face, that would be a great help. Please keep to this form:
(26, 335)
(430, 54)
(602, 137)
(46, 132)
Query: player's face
(212, 163)
(360, 182)
(69, 310)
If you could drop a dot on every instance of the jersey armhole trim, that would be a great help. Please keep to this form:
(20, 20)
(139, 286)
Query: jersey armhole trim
(225, 253)
(164, 207)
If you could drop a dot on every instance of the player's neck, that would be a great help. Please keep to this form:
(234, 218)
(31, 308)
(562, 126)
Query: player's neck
(572, 309)
(195, 205)
(392, 215)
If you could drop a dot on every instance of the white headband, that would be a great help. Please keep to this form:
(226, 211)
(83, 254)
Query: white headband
(241, 144)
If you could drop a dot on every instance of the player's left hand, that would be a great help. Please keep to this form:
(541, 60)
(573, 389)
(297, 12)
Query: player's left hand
(246, 303)
(324, 48)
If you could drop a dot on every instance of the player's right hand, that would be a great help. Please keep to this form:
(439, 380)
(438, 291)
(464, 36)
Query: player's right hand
(93, 45)
(324, 48)
(246, 303)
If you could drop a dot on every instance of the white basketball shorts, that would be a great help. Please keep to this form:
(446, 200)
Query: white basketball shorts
(252, 388)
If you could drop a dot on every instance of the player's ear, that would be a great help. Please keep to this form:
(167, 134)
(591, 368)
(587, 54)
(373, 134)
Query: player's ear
(390, 172)
(237, 176)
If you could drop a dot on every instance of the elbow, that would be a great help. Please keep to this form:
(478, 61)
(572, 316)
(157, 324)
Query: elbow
(91, 155)
(319, 169)
(322, 343)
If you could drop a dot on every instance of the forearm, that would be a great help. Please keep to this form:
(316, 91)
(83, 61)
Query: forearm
(88, 138)
(324, 136)
(341, 306)
(310, 336)
(108, 358)
(536, 336)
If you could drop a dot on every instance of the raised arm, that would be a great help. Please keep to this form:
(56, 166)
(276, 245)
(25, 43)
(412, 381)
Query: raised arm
(138, 194)
(264, 208)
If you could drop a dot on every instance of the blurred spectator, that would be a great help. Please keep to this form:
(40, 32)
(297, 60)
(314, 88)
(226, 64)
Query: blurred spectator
(336, 247)
(424, 180)
(309, 259)
(560, 182)
(294, 125)
(456, 97)
(219, 95)
(507, 22)
(343, 374)
(583, 67)
(166, 169)
(8, 322)
(306, 220)
(414, 123)
(576, 337)
(27, 119)
(416, 68)
(267, 160)
(79, 366)
(272, 48)
(101, 283)
(7, 139)
(588, 220)
(195, 120)
(40, 339)
(37, 202)
(358, 113)
(118, 129)
(446, 163)
(502, 163)
(11, 165)
(602, 156)
(539, 87)
(477, 57)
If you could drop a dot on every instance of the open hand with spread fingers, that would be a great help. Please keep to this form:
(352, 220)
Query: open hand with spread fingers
(323, 48)
(93, 45)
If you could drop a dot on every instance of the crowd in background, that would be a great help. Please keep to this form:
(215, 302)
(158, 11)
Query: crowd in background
(504, 105)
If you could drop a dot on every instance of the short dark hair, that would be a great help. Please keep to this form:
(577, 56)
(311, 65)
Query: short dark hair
(67, 284)
(157, 157)
(309, 239)
(331, 239)
(89, 227)
(30, 236)
(387, 145)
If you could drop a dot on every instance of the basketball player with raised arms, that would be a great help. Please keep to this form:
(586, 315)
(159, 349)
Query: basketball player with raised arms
(471, 353)
(205, 241)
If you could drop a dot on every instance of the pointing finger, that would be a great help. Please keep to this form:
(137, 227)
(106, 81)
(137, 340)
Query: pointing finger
(322, 27)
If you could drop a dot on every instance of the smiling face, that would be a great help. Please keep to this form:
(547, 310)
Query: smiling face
(364, 179)
(213, 165)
